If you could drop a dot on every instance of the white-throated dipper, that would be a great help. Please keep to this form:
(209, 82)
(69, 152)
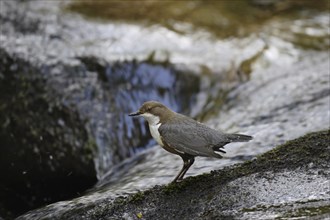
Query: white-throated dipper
(181, 135)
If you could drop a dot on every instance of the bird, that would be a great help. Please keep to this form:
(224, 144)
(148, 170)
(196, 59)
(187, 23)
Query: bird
(184, 136)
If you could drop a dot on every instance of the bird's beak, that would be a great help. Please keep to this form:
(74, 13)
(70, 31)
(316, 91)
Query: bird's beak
(135, 113)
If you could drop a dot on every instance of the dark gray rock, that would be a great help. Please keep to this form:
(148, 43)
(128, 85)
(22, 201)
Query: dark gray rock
(46, 153)
(291, 180)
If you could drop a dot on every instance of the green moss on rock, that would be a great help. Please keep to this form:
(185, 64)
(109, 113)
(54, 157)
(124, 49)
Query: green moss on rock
(187, 195)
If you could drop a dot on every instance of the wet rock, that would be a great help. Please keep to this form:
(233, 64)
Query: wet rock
(279, 104)
(291, 180)
(46, 153)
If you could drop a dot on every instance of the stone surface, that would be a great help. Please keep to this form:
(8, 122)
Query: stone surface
(289, 181)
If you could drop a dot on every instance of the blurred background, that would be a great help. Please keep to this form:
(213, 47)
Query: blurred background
(71, 71)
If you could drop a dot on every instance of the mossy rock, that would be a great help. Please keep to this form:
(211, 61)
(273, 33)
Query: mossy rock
(233, 192)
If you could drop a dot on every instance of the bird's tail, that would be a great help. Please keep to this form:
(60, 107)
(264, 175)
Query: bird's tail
(239, 137)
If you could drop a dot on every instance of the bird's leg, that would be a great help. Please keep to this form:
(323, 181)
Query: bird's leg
(187, 162)
(186, 165)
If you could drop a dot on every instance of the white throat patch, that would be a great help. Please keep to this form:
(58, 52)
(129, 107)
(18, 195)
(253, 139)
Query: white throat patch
(152, 119)
(154, 124)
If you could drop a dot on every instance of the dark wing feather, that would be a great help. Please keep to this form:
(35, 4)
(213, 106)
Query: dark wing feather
(192, 137)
